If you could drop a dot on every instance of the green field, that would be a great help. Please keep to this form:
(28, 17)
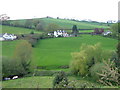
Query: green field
(63, 23)
(16, 30)
(57, 51)
(68, 24)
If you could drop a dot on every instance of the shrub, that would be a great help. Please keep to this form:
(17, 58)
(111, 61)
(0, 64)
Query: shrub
(110, 75)
(22, 55)
(79, 64)
(32, 32)
(60, 80)
(97, 68)
(11, 67)
(115, 59)
(33, 42)
(87, 57)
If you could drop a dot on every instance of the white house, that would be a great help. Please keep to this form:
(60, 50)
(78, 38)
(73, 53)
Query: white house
(60, 33)
(106, 33)
(7, 36)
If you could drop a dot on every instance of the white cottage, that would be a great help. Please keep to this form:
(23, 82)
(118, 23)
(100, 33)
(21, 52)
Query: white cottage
(7, 36)
(106, 33)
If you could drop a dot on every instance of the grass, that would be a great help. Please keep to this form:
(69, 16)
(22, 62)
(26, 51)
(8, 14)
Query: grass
(8, 47)
(57, 51)
(16, 30)
(68, 23)
(47, 82)
(40, 82)
(29, 82)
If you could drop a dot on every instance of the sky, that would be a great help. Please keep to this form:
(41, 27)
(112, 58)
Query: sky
(96, 10)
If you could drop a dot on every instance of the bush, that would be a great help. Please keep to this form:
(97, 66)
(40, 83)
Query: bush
(33, 42)
(60, 80)
(87, 57)
(116, 59)
(79, 64)
(23, 55)
(32, 32)
(110, 75)
(97, 68)
(11, 67)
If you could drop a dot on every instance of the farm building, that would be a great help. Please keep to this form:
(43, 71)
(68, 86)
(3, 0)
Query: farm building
(59, 33)
(7, 36)
(107, 33)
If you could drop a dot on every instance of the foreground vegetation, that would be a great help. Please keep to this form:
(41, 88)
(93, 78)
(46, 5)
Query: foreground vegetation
(47, 82)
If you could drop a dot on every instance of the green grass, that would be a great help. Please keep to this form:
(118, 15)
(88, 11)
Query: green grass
(39, 82)
(16, 30)
(29, 82)
(47, 82)
(57, 51)
(68, 23)
(8, 47)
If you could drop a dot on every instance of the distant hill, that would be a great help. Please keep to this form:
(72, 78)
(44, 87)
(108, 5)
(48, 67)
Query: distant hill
(67, 24)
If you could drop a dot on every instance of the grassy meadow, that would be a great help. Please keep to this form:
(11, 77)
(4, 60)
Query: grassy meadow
(16, 30)
(57, 51)
(63, 23)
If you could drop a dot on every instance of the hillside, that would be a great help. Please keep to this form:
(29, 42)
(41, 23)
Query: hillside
(16, 30)
(66, 24)
(48, 51)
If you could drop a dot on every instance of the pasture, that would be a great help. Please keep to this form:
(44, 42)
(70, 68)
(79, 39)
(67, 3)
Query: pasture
(16, 30)
(66, 24)
(56, 52)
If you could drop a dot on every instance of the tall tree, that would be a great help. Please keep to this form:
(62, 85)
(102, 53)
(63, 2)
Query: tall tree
(23, 53)
(75, 30)
(35, 22)
(40, 26)
(28, 23)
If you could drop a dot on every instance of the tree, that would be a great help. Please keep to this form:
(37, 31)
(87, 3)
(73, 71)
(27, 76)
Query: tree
(11, 67)
(16, 24)
(88, 56)
(23, 54)
(52, 27)
(115, 28)
(28, 23)
(75, 30)
(40, 26)
(35, 22)
(4, 18)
